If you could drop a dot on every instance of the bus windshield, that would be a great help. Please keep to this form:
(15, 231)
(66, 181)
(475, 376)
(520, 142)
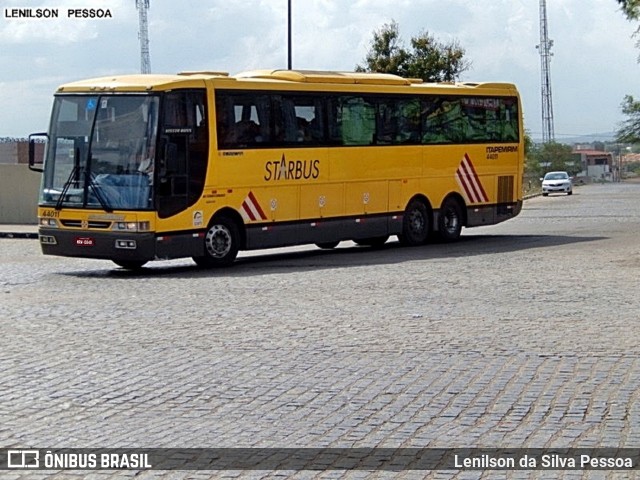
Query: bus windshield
(101, 152)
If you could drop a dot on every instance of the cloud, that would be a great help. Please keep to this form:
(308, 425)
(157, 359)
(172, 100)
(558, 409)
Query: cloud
(594, 61)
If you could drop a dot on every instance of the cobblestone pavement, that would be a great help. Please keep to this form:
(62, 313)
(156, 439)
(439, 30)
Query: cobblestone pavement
(521, 334)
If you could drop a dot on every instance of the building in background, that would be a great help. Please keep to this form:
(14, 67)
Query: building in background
(16, 150)
(18, 185)
(596, 164)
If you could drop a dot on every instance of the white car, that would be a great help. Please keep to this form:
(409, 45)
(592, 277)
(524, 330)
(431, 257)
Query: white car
(556, 182)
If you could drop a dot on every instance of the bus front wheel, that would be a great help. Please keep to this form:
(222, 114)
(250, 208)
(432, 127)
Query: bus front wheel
(221, 244)
(415, 224)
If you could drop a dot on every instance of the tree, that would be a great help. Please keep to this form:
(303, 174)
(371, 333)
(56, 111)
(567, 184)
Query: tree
(553, 156)
(629, 131)
(631, 8)
(428, 59)
(386, 54)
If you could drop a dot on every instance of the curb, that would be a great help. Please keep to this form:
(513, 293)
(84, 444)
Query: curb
(29, 235)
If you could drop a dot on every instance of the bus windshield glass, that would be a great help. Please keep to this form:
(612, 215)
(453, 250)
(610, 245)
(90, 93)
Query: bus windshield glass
(101, 152)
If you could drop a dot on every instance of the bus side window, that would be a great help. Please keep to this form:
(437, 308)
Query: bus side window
(480, 119)
(285, 122)
(509, 120)
(387, 122)
(243, 120)
(398, 122)
(298, 120)
(225, 121)
(310, 121)
(409, 127)
(356, 120)
(443, 121)
(317, 124)
(434, 129)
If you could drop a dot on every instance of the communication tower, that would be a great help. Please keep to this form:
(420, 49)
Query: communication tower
(544, 48)
(145, 60)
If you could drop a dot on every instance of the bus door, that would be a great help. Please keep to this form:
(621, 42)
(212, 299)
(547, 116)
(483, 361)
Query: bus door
(184, 151)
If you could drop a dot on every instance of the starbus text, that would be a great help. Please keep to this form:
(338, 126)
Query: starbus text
(292, 169)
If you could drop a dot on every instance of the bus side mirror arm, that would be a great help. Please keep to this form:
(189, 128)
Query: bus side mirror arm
(32, 152)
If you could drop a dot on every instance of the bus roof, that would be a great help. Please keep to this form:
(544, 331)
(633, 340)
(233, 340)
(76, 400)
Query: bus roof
(194, 79)
(141, 82)
(309, 76)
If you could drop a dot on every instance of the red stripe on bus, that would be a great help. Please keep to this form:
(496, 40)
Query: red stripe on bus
(483, 194)
(469, 182)
(257, 206)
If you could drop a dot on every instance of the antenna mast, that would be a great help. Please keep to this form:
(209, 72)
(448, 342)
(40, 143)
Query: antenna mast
(145, 60)
(544, 48)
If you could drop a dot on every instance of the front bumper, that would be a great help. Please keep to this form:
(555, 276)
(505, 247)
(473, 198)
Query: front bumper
(556, 188)
(124, 246)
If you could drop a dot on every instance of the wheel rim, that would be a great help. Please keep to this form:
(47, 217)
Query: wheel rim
(218, 241)
(416, 222)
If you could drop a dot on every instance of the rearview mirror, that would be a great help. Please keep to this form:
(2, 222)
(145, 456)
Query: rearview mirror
(33, 166)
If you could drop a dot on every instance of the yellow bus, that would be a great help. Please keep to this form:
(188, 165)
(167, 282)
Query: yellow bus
(204, 164)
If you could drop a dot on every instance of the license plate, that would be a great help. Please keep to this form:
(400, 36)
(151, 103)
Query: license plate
(85, 242)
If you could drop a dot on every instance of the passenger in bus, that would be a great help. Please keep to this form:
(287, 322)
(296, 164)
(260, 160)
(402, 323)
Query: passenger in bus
(227, 135)
(247, 132)
(234, 134)
(303, 135)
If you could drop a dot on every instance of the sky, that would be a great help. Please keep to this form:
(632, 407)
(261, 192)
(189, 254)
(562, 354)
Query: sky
(594, 63)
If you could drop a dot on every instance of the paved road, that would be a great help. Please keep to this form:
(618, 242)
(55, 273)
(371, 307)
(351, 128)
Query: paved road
(521, 334)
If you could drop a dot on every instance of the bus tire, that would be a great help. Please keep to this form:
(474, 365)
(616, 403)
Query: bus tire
(415, 224)
(450, 220)
(130, 264)
(221, 243)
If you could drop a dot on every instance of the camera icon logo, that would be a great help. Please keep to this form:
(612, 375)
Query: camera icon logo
(23, 458)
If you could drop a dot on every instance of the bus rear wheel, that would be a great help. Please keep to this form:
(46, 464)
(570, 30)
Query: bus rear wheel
(415, 224)
(221, 244)
(450, 220)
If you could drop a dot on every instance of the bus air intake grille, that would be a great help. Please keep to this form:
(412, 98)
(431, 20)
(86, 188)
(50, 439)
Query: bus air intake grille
(86, 224)
(505, 195)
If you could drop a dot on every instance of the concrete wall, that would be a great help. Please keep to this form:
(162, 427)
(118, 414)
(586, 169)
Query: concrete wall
(18, 194)
(9, 153)
(18, 152)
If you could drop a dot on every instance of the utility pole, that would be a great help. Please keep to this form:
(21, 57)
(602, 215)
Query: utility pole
(289, 61)
(145, 60)
(548, 134)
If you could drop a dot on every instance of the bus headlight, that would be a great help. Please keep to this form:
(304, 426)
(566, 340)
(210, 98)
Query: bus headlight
(131, 226)
(48, 222)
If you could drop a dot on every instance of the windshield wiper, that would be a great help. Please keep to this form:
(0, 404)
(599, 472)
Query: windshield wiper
(73, 178)
(67, 184)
